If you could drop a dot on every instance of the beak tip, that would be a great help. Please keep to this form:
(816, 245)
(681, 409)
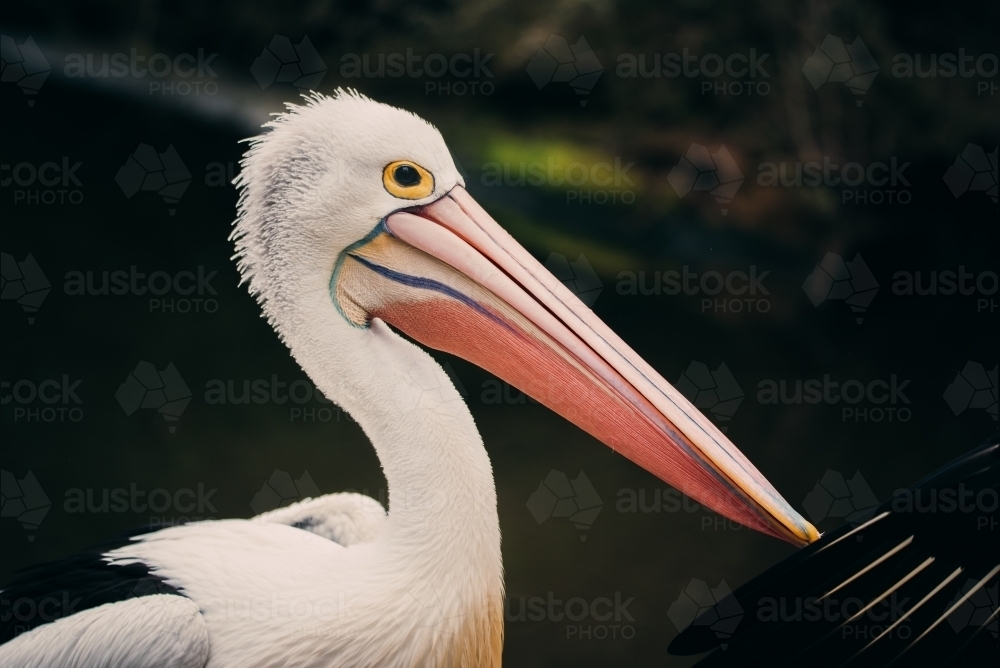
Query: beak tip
(802, 533)
(812, 535)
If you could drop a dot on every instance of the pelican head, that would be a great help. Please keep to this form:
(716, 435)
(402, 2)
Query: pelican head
(353, 216)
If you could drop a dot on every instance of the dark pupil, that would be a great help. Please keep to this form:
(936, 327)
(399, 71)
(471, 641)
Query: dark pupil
(406, 176)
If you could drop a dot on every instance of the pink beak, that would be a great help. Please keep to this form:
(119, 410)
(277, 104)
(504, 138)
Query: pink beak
(449, 276)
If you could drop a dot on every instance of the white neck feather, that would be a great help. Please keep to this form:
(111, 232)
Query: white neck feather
(441, 489)
(302, 203)
(443, 532)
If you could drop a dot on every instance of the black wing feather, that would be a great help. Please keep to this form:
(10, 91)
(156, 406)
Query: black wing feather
(46, 592)
(913, 562)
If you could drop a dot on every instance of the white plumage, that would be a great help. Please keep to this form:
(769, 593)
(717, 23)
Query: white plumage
(428, 589)
(345, 518)
(150, 632)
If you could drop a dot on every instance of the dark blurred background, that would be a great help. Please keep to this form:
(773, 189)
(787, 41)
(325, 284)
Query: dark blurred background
(105, 170)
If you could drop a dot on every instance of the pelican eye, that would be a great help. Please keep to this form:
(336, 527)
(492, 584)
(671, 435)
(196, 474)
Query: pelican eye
(406, 176)
(407, 180)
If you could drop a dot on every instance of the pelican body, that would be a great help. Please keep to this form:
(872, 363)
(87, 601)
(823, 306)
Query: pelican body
(354, 227)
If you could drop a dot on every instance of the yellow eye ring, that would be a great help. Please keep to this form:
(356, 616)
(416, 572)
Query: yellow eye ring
(407, 180)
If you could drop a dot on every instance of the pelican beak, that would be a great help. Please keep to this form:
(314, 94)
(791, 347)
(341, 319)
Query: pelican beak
(447, 275)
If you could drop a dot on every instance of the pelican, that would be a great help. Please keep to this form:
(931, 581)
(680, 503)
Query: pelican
(354, 228)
